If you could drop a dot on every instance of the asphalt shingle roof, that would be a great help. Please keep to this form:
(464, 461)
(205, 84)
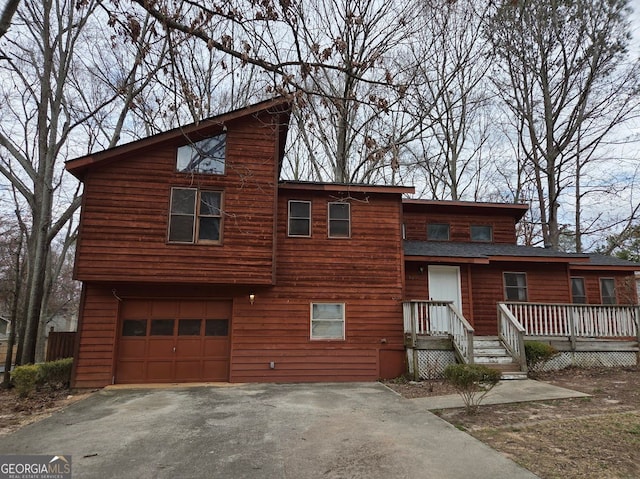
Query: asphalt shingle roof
(486, 250)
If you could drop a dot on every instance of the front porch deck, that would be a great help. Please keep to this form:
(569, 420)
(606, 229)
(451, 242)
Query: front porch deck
(584, 334)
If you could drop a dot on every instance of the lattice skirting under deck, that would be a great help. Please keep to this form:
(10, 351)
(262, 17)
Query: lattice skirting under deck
(592, 360)
(431, 363)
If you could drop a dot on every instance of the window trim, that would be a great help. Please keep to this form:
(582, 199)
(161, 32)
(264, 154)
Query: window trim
(475, 240)
(448, 225)
(329, 220)
(584, 287)
(526, 286)
(343, 319)
(615, 294)
(196, 217)
(289, 218)
(191, 144)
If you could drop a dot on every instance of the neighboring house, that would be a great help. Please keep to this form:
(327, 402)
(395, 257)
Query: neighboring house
(198, 264)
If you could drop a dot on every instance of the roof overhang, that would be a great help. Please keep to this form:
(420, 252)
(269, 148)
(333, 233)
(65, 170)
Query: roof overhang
(515, 210)
(348, 187)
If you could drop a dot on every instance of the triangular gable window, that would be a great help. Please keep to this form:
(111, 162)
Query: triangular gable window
(205, 156)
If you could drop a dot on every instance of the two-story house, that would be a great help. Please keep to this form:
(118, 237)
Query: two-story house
(198, 264)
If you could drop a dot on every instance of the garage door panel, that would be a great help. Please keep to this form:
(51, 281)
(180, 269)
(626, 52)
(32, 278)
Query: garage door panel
(174, 341)
(160, 371)
(130, 371)
(160, 348)
(216, 347)
(189, 370)
(216, 370)
(132, 348)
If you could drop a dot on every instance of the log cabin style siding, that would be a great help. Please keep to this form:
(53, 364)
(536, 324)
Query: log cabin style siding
(125, 214)
(257, 279)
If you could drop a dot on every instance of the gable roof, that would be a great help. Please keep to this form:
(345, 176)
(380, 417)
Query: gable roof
(278, 106)
(483, 253)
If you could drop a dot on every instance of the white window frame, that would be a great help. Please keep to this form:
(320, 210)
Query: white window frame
(289, 218)
(526, 286)
(334, 320)
(329, 219)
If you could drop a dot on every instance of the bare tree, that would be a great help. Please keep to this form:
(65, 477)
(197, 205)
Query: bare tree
(6, 15)
(452, 95)
(46, 99)
(562, 70)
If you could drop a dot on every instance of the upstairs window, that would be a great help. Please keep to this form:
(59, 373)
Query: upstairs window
(482, 233)
(438, 232)
(205, 156)
(339, 220)
(608, 291)
(195, 216)
(299, 218)
(578, 291)
(515, 286)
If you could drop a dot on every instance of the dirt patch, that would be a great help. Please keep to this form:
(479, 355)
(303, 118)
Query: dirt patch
(597, 436)
(16, 412)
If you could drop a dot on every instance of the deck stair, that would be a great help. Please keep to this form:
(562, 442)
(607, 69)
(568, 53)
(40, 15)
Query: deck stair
(489, 351)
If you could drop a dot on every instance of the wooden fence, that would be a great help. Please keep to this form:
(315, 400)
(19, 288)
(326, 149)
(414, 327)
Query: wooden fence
(60, 345)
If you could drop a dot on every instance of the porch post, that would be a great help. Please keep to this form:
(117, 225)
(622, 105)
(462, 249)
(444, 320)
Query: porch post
(636, 319)
(572, 328)
(414, 341)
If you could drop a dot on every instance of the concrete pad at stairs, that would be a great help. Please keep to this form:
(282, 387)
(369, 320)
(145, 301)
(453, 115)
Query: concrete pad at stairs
(505, 392)
(254, 431)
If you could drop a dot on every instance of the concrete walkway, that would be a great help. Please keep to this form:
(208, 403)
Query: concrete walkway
(520, 390)
(253, 431)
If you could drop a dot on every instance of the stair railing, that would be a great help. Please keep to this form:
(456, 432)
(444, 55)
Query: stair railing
(511, 333)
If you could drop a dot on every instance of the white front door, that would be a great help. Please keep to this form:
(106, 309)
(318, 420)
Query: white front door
(444, 285)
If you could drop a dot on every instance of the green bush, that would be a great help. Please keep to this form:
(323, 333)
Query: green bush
(25, 378)
(472, 382)
(52, 374)
(538, 354)
(55, 374)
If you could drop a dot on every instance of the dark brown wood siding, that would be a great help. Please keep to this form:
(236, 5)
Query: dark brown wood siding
(123, 234)
(94, 359)
(364, 272)
(625, 285)
(415, 224)
(546, 283)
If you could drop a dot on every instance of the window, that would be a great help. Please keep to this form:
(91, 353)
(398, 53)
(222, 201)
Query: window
(515, 286)
(327, 321)
(578, 291)
(195, 216)
(339, 220)
(299, 218)
(205, 156)
(482, 233)
(438, 232)
(216, 327)
(134, 327)
(162, 327)
(189, 327)
(608, 290)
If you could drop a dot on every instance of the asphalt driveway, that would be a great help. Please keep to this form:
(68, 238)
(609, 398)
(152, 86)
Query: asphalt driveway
(259, 431)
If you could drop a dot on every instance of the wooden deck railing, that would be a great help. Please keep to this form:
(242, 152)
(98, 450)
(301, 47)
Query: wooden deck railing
(512, 333)
(577, 320)
(439, 318)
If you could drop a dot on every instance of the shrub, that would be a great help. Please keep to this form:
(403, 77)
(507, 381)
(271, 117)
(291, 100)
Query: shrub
(24, 379)
(472, 382)
(538, 354)
(55, 374)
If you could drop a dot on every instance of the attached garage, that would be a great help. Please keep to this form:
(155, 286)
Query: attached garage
(162, 341)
